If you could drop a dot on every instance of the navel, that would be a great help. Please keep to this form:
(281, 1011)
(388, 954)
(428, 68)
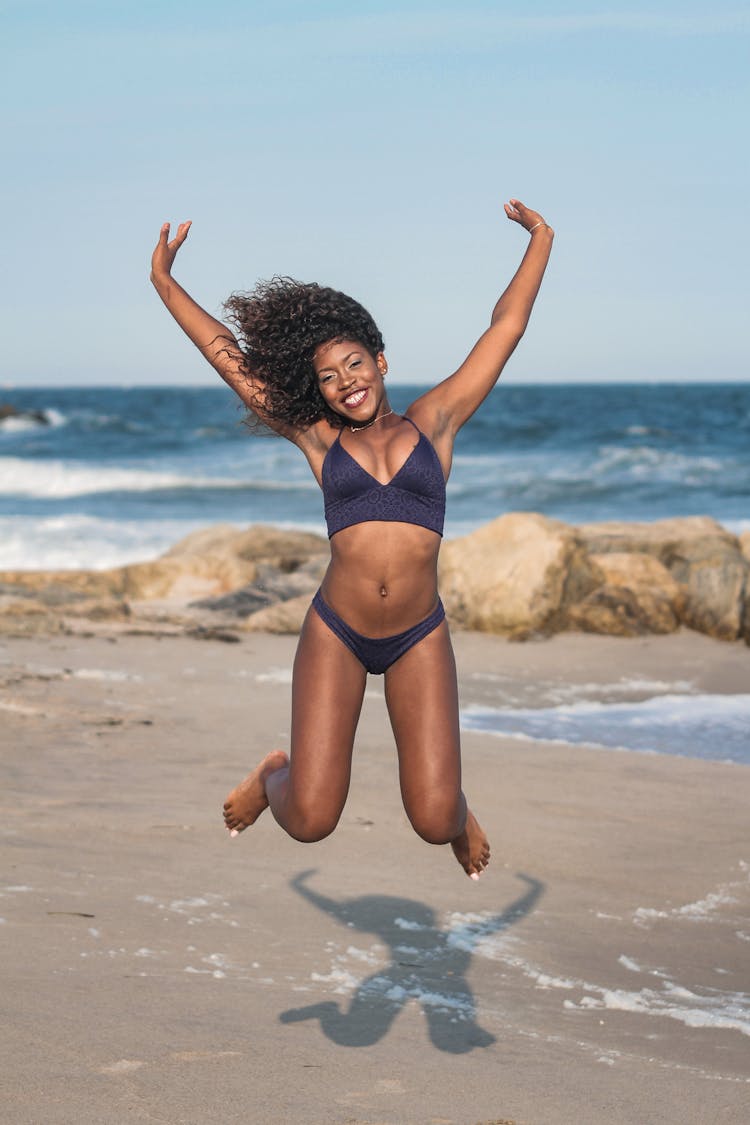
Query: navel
(383, 592)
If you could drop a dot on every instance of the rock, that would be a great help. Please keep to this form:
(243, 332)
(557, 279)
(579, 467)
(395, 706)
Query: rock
(744, 541)
(701, 556)
(283, 617)
(8, 411)
(638, 596)
(209, 563)
(271, 585)
(516, 575)
(745, 548)
(285, 549)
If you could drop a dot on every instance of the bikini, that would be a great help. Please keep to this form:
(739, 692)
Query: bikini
(351, 495)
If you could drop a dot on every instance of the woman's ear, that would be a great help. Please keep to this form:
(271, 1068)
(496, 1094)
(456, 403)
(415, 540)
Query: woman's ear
(382, 364)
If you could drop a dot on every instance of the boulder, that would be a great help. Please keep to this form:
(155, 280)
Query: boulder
(516, 575)
(271, 585)
(259, 542)
(744, 541)
(703, 558)
(209, 563)
(638, 596)
(283, 617)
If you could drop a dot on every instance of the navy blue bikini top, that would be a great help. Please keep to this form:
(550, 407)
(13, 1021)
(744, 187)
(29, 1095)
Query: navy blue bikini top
(416, 494)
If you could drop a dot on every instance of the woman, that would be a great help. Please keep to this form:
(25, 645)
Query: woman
(309, 364)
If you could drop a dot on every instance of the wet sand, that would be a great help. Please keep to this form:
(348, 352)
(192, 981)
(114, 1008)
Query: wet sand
(155, 970)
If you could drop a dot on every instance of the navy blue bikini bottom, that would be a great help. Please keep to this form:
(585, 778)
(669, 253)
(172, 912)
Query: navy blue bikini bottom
(377, 653)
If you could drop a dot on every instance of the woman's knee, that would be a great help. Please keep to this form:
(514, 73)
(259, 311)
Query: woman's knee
(308, 822)
(437, 818)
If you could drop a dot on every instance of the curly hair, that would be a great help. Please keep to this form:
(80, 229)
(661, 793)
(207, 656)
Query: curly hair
(279, 325)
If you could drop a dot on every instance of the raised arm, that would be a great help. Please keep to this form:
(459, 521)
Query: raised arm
(454, 400)
(212, 338)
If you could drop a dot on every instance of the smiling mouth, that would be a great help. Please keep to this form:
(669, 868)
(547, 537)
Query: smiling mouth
(355, 399)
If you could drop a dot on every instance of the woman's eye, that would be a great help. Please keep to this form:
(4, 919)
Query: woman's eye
(355, 363)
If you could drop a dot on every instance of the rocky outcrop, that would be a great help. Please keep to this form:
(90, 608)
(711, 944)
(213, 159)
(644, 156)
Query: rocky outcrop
(638, 595)
(283, 617)
(522, 575)
(218, 574)
(517, 575)
(704, 559)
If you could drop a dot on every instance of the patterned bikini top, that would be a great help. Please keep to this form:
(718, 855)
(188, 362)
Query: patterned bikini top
(416, 494)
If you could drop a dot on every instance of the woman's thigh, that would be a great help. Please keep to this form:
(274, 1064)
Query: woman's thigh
(327, 690)
(422, 698)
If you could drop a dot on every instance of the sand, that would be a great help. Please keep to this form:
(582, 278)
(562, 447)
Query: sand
(156, 971)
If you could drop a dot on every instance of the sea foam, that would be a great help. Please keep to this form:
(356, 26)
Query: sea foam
(713, 727)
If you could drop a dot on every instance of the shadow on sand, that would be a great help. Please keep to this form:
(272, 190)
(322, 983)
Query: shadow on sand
(428, 965)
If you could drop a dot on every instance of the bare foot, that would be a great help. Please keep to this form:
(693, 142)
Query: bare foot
(247, 800)
(471, 848)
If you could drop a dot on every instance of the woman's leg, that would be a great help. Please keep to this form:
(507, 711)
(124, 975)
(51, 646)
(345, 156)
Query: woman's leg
(307, 791)
(422, 698)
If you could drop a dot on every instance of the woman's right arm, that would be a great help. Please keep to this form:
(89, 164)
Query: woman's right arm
(212, 338)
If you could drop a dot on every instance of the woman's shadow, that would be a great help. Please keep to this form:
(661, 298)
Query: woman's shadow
(427, 964)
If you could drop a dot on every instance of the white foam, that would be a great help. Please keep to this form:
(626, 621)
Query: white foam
(71, 542)
(20, 476)
(701, 911)
(405, 924)
(712, 1008)
(701, 725)
(720, 1011)
(629, 963)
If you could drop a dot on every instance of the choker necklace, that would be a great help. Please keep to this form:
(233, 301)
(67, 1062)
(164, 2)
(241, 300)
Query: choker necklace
(372, 422)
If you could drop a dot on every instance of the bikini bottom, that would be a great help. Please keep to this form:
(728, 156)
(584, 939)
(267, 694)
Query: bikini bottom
(377, 653)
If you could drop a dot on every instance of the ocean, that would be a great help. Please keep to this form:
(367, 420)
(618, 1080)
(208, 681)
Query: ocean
(119, 474)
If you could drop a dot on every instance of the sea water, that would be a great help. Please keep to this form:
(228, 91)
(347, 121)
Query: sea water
(120, 474)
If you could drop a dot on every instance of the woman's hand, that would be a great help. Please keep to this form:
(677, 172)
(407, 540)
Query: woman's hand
(166, 251)
(528, 219)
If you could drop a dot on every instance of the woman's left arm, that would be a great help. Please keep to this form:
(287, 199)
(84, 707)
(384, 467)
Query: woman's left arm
(454, 400)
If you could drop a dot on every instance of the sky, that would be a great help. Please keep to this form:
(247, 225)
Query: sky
(370, 147)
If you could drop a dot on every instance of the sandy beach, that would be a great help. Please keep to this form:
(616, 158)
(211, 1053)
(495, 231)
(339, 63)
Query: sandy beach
(155, 970)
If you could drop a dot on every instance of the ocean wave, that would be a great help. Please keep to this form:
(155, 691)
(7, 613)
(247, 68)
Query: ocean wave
(76, 542)
(707, 726)
(21, 423)
(62, 479)
(79, 542)
(647, 460)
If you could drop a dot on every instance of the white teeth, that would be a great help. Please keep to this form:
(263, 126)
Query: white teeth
(354, 399)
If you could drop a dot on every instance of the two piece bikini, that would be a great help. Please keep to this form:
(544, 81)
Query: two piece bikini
(351, 495)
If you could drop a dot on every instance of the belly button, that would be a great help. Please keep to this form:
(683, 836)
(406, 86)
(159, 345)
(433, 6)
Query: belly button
(383, 592)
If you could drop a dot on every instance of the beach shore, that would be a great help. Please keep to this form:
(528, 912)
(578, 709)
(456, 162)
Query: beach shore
(157, 971)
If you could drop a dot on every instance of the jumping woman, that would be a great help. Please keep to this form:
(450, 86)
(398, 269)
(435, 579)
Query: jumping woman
(309, 363)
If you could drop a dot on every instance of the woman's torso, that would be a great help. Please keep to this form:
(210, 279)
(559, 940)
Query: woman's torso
(382, 578)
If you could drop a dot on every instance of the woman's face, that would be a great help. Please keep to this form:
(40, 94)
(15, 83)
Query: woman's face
(350, 379)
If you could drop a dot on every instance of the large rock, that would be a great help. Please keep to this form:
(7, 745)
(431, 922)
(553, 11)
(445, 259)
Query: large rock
(260, 542)
(283, 617)
(209, 563)
(272, 584)
(638, 596)
(745, 548)
(516, 575)
(704, 558)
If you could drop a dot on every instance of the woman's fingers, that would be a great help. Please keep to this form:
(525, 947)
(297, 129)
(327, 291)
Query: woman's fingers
(520, 213)
(182, 231)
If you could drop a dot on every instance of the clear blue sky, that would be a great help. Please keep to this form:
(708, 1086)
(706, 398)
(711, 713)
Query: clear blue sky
(370, 146)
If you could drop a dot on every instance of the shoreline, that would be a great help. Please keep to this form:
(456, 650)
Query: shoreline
(597, 972)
